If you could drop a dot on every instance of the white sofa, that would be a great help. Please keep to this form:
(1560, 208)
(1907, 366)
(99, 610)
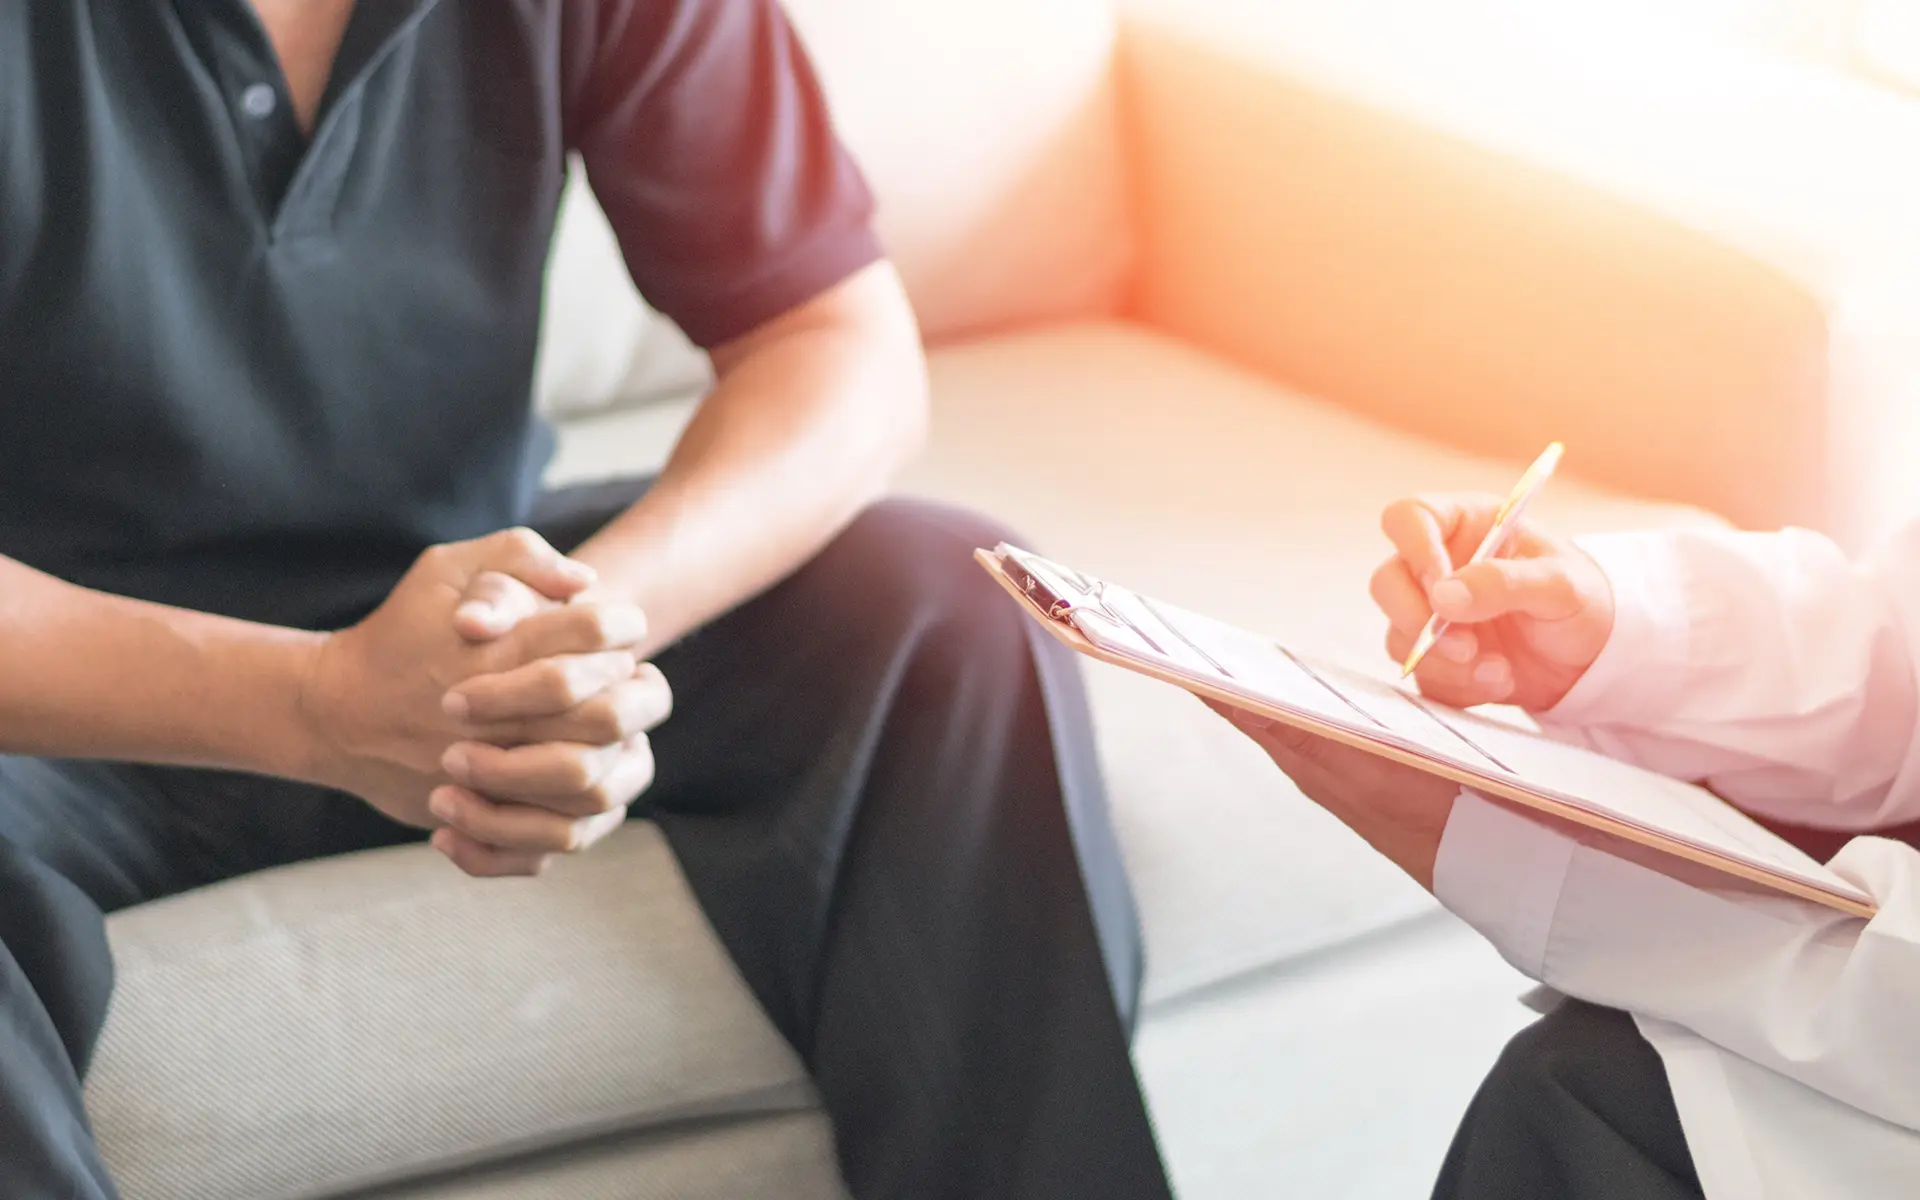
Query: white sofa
(1206, 282)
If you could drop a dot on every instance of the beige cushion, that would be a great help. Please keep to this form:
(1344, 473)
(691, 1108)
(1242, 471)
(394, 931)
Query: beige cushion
(787, 1157)
(332, 1026)
(600, 344)
(1133, 456)
(990, 132)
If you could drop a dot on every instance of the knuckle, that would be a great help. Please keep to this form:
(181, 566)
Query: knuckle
(603, 721)
(1379, 584)
(658, 689)
(482, 706)
(1399, 645)
(557, 684)
(1395, 517)
(482, 771)
(593, 625)
(522, 540)
(1486, 582)
(576, 774)
(487, 585)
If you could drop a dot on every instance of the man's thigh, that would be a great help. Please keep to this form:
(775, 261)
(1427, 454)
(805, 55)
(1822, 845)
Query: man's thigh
(125, 834)
(1578, 1107)
(96, 824)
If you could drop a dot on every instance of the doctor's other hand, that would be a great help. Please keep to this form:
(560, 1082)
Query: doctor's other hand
(1400, 811)
(1523, 627)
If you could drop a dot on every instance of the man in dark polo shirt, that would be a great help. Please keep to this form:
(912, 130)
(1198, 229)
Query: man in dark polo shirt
(270, 276)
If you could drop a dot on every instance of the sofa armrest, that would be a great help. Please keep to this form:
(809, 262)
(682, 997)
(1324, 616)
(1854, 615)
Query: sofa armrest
(1698, 265)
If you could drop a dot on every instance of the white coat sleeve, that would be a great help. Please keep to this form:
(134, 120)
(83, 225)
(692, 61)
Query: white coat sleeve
(1766, 666)
(1820, 997)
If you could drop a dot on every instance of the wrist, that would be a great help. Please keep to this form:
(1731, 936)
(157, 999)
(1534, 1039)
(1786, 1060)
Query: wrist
(269, 733)
(1410, 841)
(313, 747)
(1639, 668)
(1405, 827)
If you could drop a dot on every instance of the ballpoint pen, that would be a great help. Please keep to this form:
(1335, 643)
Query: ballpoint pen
(1504, 523)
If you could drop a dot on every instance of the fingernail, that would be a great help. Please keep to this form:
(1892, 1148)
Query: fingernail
(1450, 594)
(441, 805)
(579, 570)
(1492, 673)
(1456, 649)
(456, 706)
(456, 763)
(479, 611)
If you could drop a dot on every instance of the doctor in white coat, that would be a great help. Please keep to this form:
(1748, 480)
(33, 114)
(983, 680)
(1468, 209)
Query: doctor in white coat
(1773, 1046)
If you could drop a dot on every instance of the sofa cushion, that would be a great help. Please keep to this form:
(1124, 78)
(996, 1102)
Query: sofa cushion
(381, 1018)
(990, 132)
(600, 343)
(1136, 457)
(790, 1157)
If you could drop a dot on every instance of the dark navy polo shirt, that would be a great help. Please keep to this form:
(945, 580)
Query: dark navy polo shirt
(250, 373)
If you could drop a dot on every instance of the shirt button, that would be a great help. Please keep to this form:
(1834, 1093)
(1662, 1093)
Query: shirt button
(258, 101)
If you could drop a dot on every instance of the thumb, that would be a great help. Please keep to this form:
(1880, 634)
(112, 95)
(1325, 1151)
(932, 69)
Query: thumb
(492, 605)
(1498, 587)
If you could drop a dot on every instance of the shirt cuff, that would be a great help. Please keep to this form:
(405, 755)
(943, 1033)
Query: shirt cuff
(1503, 874)
(1641, 667)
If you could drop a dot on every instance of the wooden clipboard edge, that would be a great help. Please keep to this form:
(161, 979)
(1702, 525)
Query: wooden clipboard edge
(1078, 642)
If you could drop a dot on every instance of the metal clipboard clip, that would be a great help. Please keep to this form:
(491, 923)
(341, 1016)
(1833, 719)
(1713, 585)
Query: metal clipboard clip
(1061, 591)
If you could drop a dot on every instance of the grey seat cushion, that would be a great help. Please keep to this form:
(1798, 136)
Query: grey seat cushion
(383, 1018)
(789, 1157)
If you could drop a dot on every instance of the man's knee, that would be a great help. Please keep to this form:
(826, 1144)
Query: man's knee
(1574, 1052)
(913, 560)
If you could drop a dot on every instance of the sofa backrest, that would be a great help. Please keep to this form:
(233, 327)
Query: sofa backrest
(990, 131)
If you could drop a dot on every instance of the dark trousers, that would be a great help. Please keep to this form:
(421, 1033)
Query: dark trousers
(1577, 1108)
(881, 783)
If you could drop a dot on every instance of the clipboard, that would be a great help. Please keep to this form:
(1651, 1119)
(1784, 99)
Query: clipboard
(1244, 670)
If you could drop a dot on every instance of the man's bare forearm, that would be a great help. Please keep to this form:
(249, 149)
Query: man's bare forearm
(811, 418)
(88, 675)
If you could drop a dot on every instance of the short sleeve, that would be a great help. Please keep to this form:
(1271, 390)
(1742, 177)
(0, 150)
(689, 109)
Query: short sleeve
(709, 145)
